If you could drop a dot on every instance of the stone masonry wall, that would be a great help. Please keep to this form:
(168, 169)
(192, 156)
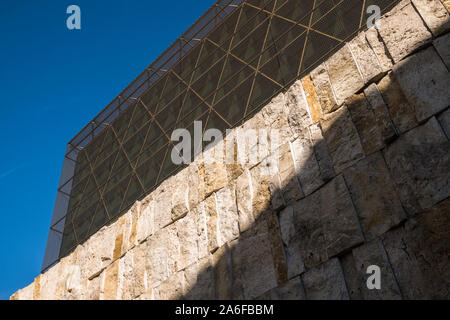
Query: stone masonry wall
(363, 179)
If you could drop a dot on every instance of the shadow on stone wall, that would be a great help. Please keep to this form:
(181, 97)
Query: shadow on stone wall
(373, 191)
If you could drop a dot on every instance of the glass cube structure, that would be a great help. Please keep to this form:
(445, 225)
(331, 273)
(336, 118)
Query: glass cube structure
(222, 70)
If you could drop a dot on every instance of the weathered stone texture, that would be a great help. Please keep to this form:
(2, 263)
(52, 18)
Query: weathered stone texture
(366, 123)
(325, 222)
(374, 195)
(419, 254)
(297, 111)
(227, 216)
(322, 153)
(365, 58)
(199, 281)
(401, 111)
(323, 89)
(311, 98)
(291, 290)
(291, 242)
(442, 45)
(342, 139)
(253, 263)
(345, 77)
(373, 254)
(434, 14)
(444, 120)
(306, 165)
(419, 162)
(424, 80)
(403, 31)
(378, 47)
(326, 282)
(380, 110)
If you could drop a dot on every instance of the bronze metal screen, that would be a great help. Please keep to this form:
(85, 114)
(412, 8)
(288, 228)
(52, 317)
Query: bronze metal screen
(222, 70)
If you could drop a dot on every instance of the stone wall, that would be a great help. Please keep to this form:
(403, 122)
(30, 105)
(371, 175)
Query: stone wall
(363, 179)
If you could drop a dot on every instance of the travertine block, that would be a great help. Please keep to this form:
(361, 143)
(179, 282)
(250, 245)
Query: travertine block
(434, 14)
(374, 195)
(366, 123)
(424, 80)
(325, 282)
(442, 45)
(402, 112)
(403, 31)
(419, 163)
(323, 89)
(365, 58)
(345, 77)
(373, 253)
(381, 112)
(342, 139)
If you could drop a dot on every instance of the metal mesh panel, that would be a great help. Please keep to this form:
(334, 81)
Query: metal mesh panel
(222, 70)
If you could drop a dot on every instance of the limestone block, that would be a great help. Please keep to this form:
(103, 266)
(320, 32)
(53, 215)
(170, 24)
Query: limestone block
(187, 232)
(419, 254)
(276, 119)
(292, 243)
(325, 282)
(227, 216)
(345, 77)
(424, 79)
(444, 121)
(442, 45)
(342, 139)
(97, 252)
(93, 288)
(401, 111)
(214, 169)
(380, 50)
(351, 276)
(366, 123)
(297, 110)
(133, 273)
(232, 164)
(312, 99)
(145, 220)
(199, 214)
(289, 185)
(51, 284)
(111, 281)
(260, 177)
(250, 142)
(434, 14)
(322, 153)
(162, 198)
(244, 197)
(326, 223)
(278, 253)
(253, 264)
(419, 163)
(222, 264)
(403, 31)
(199, 280)
(380, 110)
(171, 288)
(163, 249)
(374, 196)
(323, 89)
(306, 165)
(209, 205)
(365, 58)
(373, 253)
(290, 290)
(276, 195)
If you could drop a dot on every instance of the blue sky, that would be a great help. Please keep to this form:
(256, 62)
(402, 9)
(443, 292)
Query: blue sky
(52, 82)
